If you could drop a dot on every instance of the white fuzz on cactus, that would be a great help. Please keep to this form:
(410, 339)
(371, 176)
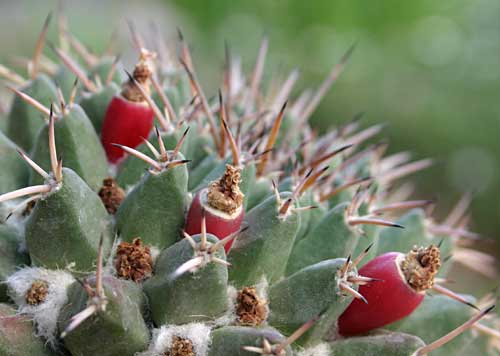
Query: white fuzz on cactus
(318, 350)
(230, 315)
(163, 338)
(46, 312)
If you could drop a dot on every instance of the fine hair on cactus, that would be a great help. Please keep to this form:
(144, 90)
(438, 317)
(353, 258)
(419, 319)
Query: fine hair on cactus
(141, 215)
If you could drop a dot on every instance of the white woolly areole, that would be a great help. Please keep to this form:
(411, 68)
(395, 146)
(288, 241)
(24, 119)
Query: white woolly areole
(230, 317)
(318, 350)
(113, 170)
(46, 313)
(262, 288)
(262, 291)
(154, 252)
(197, 333)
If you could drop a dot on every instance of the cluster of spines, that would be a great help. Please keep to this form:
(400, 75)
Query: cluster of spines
(255, 152)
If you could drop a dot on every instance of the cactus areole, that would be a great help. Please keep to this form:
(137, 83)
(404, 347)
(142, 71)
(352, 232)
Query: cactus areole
(128, 117)
(222, 203)
(403, 282)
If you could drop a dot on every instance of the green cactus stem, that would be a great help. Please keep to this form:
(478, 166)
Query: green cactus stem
(12, 163)
(17, 336)
(119, 329)
(12, 258)
(24, 120)
(232, 340)
(64, 228)
(95, 104)
(154, 209)
(263, 249)
(77, 143)
(186, 286)
(377, 343)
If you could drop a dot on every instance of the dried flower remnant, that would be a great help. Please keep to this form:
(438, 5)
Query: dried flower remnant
(37, 292)
(111, 195)
(251, 309)
(133, 261)
(225, 194)
(180, 347)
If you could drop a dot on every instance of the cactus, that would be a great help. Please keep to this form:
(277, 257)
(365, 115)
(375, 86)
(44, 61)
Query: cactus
(229, 228)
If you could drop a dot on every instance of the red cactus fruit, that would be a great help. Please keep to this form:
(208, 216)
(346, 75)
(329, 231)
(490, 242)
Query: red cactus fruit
(129, 118)
(401, 289)
(222, 204)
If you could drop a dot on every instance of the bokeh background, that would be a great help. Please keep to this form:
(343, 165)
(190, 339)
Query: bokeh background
(429, 69)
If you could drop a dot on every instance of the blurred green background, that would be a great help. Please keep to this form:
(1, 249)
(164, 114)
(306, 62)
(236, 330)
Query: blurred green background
(429, 69)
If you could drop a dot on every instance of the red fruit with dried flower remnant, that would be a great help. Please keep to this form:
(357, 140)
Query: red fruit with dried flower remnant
(129, 117)
(401, 289)
(222, 204)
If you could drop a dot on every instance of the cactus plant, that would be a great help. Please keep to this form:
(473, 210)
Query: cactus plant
(230, 228)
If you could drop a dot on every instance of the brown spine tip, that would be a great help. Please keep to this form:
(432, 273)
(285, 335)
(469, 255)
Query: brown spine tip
(250, 309)
(225, 194)
(37, 292)
(180, 347)
(143, 72)
(420, 265)
(133, 261)
(111, 195)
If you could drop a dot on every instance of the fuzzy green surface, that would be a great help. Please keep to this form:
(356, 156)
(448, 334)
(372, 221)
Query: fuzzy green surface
(403, 240)
(196, 147)
(119, 330)
(24, 120)
(65, 227)
(154, 209)
(193, 296)
(17, 335)
(229, 340)
(378, 343)
(435, 317)
(306, 199)
(481, 343)
(198, 172)
(264, 248)
(315, 216)
(3, 123)
(330, 238)
(77, 144)
(65, 80)
(261, 189)
(306, 294)
(10, 257)
(11, 163)
(95, 105)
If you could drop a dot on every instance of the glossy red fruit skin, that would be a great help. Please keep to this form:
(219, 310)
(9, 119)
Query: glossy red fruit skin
(216, 224)
(388, 300)
(125, 123)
